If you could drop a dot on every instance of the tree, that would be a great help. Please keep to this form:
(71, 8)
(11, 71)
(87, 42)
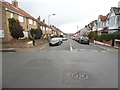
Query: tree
(16, 29)
(36, 33)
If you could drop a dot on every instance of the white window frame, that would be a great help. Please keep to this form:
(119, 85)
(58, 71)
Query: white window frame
(20, 18)
(31, 21)
(2, 33)
(11, 15)
(34, 22)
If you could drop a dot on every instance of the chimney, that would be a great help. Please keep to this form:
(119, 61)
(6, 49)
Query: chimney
(43, 20)
(15, 3)
(119, 4)
(39, 18)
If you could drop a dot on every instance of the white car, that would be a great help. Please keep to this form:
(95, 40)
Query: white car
(55, 41)
(64, 39)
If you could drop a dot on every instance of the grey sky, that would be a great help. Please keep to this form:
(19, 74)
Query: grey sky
(69, 13)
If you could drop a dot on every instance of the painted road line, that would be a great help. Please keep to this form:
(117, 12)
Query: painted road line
(70, 48)
(70, 45)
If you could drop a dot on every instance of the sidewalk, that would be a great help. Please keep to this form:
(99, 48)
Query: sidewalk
(105, 47)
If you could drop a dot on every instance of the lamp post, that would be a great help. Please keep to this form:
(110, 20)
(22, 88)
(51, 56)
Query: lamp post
(49, 21)
(49, 18)
(78, 29)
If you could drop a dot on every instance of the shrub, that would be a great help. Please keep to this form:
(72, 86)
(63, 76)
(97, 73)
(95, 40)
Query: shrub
(95, 37)
(100, 38)
(15, 28)
(117, 35)
(107, 37)
(91, 35)
(36, 33)
(54, 36)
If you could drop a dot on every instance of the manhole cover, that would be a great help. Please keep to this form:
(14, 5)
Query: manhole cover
(77, 75)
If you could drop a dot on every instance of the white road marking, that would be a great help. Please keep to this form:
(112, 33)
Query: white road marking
(70, 48)
(70, 45)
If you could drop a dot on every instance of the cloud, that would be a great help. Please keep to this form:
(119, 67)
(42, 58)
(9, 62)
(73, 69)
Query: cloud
(69, 13)
(71, 27)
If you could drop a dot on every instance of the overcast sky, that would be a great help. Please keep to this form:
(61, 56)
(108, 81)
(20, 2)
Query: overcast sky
(69, 13)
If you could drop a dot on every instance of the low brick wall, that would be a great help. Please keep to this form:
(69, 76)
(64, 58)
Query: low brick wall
(107, 42)
(23, 43)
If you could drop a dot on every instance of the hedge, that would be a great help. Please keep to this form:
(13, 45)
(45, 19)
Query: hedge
(106, 37)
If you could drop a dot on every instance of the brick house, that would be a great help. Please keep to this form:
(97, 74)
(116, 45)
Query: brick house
(13, 11)
(26, 20)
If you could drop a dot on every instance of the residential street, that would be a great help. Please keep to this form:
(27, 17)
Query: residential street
(70, 65)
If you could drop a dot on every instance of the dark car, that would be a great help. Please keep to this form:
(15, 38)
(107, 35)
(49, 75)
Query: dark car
(84, 40)
(55, 41)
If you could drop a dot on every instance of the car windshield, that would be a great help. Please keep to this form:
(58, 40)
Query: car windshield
(54, 39)
(85, 38)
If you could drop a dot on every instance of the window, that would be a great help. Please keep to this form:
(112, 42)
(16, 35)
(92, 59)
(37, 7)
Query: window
(30, 21)
(2, 34)
(34, 22)
(11, 15)
(20, 18)
(112, 21)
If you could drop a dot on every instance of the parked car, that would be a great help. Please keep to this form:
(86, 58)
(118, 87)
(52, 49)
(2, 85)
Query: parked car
(64, 39)
(84, 40)
(77, 38)
(61, 40)
(55, 41)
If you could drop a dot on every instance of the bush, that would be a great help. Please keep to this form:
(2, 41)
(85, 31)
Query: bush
(91, 35)
(15, 29)
(35, 33)
(100, 38)
(54, 36)
(107, 37)
(95, 37)
(117, 35)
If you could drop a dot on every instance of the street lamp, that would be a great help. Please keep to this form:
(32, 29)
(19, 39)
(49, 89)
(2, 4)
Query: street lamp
(49, 18)
(49, 21)
(78, 29)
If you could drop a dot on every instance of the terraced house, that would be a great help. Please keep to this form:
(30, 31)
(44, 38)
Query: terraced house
(27, 21)
(109, 23)
(102, 24)
(13, 11)
(114, 20)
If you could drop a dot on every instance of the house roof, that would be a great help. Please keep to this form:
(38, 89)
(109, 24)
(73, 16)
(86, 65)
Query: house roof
(116, 10)
(18, 10)
(102, 18)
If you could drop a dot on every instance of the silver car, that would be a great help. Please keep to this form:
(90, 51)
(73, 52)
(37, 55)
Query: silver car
(55, 41)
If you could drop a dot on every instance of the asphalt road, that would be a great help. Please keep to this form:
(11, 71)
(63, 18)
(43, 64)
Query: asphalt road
(70, 65)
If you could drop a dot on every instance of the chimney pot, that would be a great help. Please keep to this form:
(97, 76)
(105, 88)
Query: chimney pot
(15, 3)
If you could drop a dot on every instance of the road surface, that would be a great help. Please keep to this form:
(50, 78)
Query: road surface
(70, 65)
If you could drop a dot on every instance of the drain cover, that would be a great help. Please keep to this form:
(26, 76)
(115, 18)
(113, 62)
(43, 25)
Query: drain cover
(77, 75)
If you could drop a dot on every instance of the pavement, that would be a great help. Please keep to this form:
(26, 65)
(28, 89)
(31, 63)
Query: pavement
(108, 48)
(70, 65)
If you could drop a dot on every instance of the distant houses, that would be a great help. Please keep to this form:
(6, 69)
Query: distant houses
(109, 23)
(27, 21)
